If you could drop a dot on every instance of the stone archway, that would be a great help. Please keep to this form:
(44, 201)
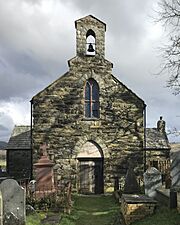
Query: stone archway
(94, 139)
(90, 164)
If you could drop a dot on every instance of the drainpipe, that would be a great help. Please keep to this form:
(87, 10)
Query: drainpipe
(144, 143)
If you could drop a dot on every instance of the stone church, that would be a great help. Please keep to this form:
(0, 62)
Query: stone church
(91, 122)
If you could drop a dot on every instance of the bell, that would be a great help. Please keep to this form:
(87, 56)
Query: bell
(90, 48)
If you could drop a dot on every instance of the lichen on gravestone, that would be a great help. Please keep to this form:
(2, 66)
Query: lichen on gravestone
(11, 219)
(14, 202)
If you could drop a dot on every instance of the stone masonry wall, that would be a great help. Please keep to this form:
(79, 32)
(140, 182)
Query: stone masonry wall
(59, 120)
(58, 113)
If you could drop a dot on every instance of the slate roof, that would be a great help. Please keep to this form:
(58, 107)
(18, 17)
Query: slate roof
(156, 140)
(3, 145)
(20, 138)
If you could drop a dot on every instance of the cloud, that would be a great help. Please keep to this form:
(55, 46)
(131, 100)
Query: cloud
(3, 128)
(32, 45)
(37, 37)
(14, 112)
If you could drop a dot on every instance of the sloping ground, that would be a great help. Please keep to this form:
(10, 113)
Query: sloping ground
(92, 210)
(163, 216)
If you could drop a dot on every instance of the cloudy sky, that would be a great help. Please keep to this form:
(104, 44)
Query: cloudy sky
(37, 37)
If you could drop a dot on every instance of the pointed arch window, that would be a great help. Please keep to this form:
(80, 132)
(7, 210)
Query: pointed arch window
(91, 99)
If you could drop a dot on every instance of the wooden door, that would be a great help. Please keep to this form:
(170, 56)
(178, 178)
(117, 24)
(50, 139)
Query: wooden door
(84, 179)
(91, 177)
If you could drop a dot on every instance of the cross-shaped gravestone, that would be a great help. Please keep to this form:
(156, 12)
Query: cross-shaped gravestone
(43, 149)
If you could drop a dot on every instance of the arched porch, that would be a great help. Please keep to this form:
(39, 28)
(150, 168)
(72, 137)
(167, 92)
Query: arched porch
(90, 162)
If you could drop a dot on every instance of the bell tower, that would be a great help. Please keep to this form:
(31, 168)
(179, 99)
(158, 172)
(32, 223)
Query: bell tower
(90, 37)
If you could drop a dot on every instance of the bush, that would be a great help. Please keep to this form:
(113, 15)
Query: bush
(49, 202)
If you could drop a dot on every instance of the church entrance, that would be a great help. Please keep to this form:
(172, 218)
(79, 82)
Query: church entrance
(90, 163)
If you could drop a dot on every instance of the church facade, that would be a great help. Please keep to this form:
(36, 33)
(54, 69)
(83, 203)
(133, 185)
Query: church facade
(92, 123)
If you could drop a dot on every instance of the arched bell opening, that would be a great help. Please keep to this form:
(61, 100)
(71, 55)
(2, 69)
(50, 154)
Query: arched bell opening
(90, 43)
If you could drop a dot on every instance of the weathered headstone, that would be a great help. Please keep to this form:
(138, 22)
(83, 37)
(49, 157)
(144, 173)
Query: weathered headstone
(152, 181)
(14, 204)
(131, 185)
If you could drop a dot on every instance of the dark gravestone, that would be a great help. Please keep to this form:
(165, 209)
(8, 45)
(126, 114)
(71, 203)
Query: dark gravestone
(173, 199)
(131, 185)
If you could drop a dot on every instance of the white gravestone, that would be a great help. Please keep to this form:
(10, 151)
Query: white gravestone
(152, 181)
(14, 202)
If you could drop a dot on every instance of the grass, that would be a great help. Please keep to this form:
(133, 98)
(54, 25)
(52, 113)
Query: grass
(35, 219)
(92, 210)
(163, 216)
(102, 210)
(87, 210)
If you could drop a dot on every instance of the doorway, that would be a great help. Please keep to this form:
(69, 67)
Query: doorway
(90, 163)
(91, 176)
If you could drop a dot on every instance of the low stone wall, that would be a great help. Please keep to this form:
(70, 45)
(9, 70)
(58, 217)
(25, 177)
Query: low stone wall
(136, 207)
(163, 196)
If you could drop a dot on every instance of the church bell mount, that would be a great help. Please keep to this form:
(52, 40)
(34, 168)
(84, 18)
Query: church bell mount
(90, 37)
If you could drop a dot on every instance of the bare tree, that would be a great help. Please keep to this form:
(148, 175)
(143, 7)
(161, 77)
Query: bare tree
(169, 15)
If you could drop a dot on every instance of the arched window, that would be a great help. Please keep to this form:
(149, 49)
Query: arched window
(90, 43)
(91, 99)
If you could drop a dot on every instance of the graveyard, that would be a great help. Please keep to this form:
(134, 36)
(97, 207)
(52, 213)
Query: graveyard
(128, 205)
(47, 201)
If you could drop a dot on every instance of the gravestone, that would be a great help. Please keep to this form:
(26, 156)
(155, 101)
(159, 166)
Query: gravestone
(44, 175)
(131, 185)
(14, 204)
(152, 181)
